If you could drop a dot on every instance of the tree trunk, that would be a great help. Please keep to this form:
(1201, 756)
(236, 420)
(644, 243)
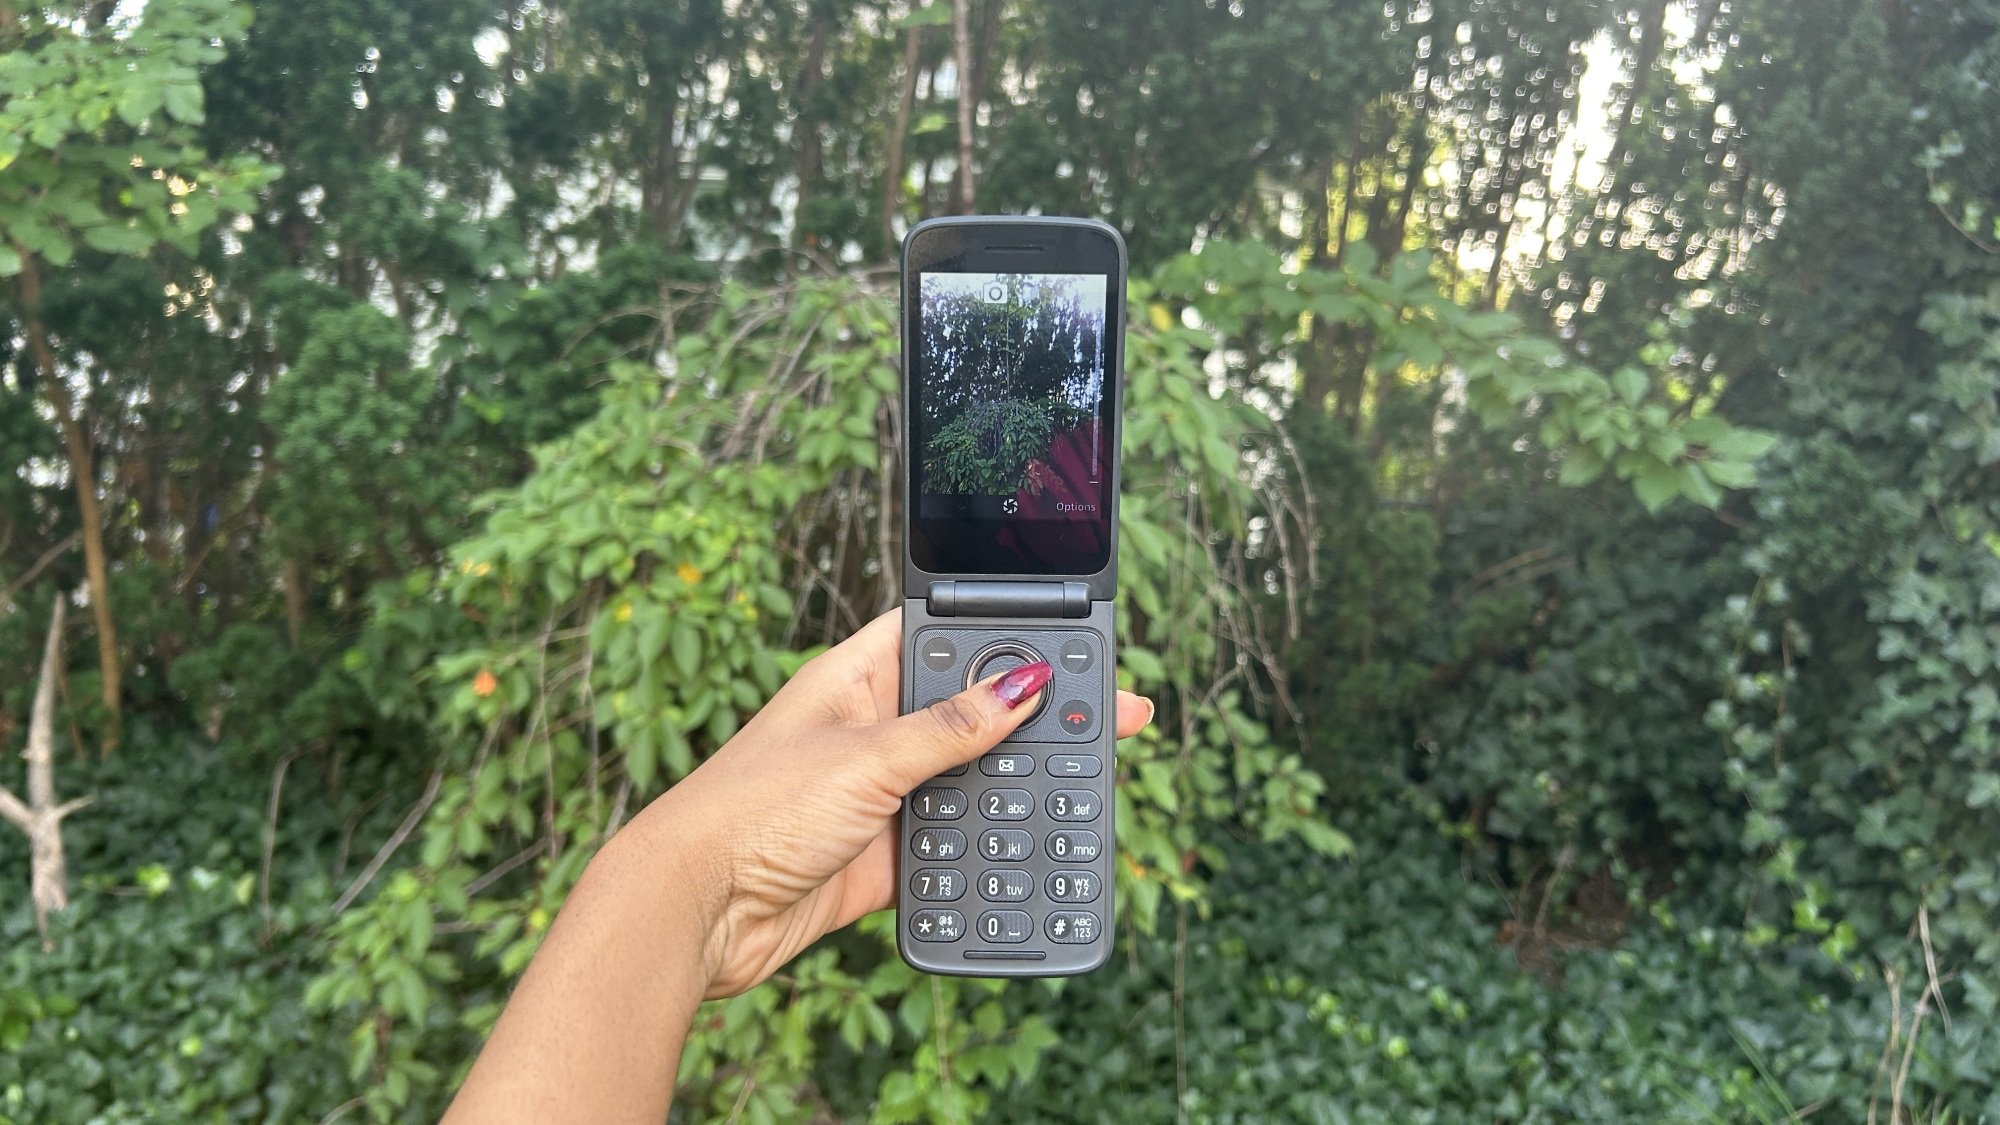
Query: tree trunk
(906, 104)
(962, 37)
(295, 600)
(40, 818)
(984, 50)
(83, 472)
(806, 166)
(1316, 369)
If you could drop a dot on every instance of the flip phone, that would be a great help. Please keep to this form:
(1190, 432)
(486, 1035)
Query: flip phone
(1013, 344)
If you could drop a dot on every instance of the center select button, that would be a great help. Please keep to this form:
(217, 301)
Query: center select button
(1005, 656)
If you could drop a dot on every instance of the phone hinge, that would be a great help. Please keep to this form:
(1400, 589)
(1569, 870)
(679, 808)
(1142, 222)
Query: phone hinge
(1009, 599)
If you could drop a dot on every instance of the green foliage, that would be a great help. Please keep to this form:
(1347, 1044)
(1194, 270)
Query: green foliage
(1398, 989)
(1506, 375)
(353, 422)
(170, 1004)
(1381, 545)
(633, 600)
(175, 989)
(986, 449)
(97, 134)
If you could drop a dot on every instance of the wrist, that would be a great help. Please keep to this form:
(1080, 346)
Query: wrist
(670, 859)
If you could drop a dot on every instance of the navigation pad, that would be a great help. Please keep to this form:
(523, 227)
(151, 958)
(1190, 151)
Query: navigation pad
(951, 660)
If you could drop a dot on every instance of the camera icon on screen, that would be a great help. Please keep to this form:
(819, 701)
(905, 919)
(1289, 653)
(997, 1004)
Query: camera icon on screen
(995, 292)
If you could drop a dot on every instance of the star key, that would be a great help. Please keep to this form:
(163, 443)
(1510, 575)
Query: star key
(936, 925)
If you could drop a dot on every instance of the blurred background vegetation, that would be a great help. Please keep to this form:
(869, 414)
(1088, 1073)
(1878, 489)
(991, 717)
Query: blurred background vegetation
(1561, 531)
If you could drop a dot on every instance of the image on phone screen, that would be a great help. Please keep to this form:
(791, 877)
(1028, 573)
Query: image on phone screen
(1014, 442)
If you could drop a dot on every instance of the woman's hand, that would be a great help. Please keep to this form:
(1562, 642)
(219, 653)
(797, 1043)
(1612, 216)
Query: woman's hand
(787, 833)
(797, 812)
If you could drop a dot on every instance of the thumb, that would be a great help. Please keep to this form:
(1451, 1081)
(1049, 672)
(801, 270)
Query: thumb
(916, 747)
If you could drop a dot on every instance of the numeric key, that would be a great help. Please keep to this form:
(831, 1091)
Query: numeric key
(938, 803)
(938, 843)
(1073, 886)
(1006, 804)
(1074, 845)
(1006, 844)
(1074, 804)
(1006, 885)
(1006, 927)
(940, 885)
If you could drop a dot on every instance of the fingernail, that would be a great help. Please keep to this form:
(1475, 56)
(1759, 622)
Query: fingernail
(1015, 687)
(1150, 711)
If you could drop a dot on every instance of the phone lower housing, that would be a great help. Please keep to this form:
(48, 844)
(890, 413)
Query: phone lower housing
(1006, 867)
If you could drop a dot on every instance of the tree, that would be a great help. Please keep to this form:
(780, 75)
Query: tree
(40, 817)
(98, 155)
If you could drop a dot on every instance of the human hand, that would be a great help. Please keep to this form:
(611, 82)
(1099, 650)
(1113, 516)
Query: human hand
(788, 832)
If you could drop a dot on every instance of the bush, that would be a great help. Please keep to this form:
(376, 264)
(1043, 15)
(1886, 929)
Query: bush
(169, 994)
(1404, 987)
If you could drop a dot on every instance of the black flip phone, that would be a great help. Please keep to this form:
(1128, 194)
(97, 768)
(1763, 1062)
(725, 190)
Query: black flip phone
(1013, 344)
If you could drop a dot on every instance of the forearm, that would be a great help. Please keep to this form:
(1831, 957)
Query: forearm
(594, 1030)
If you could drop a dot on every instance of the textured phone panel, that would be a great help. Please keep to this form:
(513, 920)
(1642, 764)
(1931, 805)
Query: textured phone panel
(1016, 897)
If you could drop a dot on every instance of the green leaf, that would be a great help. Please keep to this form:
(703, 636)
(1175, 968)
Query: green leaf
(1145, 666)
(1730, 474)
(183, 100)
(1743, 445)
(1359, 257)
(1656, 484)
(126, 239)
(1696, 486)
(1630, 383)
(140, 101)
(10, 261)
(685, 644)
(1580, 466)
(936, 14)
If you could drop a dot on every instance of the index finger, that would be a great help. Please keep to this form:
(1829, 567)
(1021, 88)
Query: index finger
(859, 680)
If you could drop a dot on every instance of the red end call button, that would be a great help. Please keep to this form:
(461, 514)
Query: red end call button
(1076, 717)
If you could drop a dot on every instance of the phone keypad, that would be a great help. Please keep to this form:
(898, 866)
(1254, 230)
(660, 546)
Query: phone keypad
(1020, 843)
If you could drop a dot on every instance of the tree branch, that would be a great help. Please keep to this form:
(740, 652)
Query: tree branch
(40, 564)
(403, 830)
(13, 811)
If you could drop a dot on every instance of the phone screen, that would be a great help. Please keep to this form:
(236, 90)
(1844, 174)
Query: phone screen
(1013, 416)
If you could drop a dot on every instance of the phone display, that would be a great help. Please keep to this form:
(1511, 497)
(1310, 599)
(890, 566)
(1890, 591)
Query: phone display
(1012, 343)
(1011, 357)
(1012, 430)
